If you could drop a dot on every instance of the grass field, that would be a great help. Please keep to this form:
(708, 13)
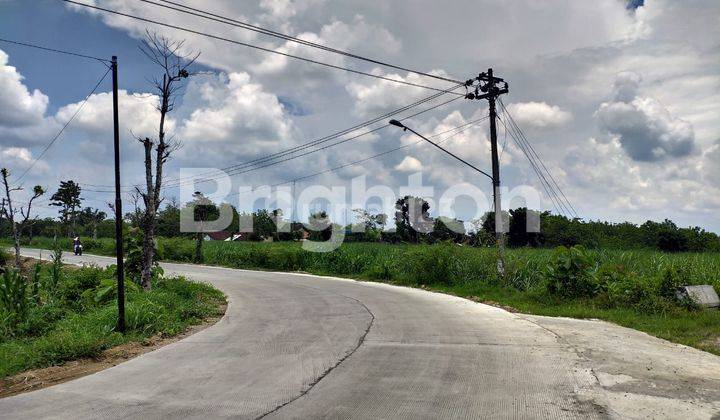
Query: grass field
(631, 288)
(66, 313)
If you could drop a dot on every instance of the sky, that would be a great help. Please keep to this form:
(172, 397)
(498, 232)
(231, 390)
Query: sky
(620, 99)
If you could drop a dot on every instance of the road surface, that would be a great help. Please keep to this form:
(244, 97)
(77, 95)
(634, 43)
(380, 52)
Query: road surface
(301, 346)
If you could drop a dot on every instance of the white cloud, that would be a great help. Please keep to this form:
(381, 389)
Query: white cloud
(711, 165)
(137, 114)
(409, 164)
(236, 117)
(18, 106)
(643, 125)
(20, 158)
(539, 115)
(593, 54)
(380, 96)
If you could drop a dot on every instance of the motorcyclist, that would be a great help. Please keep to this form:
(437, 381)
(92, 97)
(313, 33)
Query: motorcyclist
(77, 246)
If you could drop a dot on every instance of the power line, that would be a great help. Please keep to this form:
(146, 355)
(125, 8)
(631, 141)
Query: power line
(75, 114)
(182, 8)
(27, 44)
(272, 159)
(543, 182)
(534, 152)
(459, 129)
(257, 47)
(552, 188)
(295, 156)
(291, 151)
(535, 167)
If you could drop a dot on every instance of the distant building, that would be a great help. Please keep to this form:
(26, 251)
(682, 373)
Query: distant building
(217, 236)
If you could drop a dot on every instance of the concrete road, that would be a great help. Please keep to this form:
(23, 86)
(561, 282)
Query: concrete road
(301, 346)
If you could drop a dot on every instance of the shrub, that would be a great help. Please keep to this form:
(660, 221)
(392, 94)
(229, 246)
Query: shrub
(382, 269)
(5, 258)
(175, 249)
(106, 290)
(72, 288)
(55, 270)
(13, 295)
(429, 265)
(671, 280)
(570, 273)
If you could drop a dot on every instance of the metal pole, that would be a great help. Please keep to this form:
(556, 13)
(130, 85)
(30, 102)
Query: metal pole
(499, 231)
(118, 205)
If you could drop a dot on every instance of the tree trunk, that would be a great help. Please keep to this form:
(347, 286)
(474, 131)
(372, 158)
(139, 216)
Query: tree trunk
(198, 248)
(16, 237)
(148, 222)
(148, 255)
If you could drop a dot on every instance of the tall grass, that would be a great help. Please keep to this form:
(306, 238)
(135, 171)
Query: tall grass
(632, 288)
(66, 321)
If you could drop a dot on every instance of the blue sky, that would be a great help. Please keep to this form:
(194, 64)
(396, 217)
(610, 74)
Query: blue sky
(593, 92)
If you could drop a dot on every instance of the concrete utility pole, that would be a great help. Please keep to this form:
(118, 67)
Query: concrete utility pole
(487, 88)
(119, 251)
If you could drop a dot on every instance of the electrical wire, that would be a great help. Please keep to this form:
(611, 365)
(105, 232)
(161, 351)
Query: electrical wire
(272, 159)
(257, 47)
(67, 123)
(182, 8)
(458, 129)
(534, 152)
(545, 187)
(551, 187)
(27, 44)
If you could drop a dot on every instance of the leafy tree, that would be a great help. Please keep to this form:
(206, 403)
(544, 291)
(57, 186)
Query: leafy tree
(203, 210)
(488, 222)
(670, 239)
(448, 229)
(91, 218)
(320, 226)
(263, 225)
(168, 220)
(412, 217)
(518, 234)
(68, 199)
(369, 226)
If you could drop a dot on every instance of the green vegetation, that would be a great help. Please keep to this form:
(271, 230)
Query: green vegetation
(632, 288)
(51, 314)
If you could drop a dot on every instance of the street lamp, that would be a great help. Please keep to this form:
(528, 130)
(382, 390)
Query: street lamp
(495, 182)
(397, 123)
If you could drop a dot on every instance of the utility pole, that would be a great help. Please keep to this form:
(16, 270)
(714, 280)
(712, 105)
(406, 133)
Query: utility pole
(487, 88)
(292, 211)
(118, 204)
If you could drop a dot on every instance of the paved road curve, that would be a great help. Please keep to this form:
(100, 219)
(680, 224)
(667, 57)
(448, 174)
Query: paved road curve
(300, 346)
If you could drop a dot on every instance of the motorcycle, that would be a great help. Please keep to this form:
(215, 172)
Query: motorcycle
(78, 249)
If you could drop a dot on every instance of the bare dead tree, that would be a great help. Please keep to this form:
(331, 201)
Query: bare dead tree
(174, 64)
(9, 212)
